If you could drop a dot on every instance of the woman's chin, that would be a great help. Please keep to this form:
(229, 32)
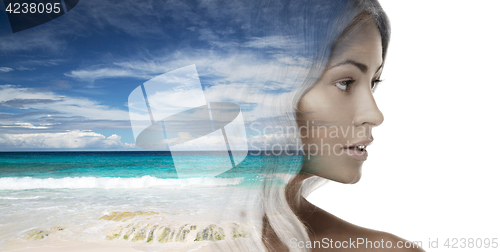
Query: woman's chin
(343, 170)
(348, 176)
(348, 180)
(355, 180)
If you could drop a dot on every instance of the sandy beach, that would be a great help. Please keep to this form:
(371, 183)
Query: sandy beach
(105, 202)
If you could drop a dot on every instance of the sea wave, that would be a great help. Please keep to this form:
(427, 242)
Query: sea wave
(25, 183)
(15, 198)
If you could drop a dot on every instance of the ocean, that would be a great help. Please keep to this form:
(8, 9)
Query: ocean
(126, 198)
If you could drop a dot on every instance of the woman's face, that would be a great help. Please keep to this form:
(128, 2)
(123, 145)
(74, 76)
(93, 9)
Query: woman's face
(339, 111)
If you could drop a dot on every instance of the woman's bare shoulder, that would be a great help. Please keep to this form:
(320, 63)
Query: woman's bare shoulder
(345, 236)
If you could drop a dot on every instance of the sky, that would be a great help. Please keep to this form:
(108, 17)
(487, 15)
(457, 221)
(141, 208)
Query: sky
(64, 85)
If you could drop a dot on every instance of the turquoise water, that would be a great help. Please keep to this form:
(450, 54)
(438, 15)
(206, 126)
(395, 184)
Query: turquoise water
(86, 164)
(32, 170)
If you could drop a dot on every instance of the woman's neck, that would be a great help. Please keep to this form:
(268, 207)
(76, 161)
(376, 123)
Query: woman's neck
(300, 206)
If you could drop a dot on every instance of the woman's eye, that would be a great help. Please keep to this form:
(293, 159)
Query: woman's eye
(375, 84)
(344, 84)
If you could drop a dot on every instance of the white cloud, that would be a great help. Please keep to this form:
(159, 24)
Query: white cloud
(64, 105)
(21, 68)
(275, 41)
(6, 69)
(35, 39)
(182, 137)
(104, 73)
(27, 126)
(71, 140)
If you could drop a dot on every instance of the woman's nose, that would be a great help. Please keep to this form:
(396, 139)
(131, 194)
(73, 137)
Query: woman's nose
(367, 111)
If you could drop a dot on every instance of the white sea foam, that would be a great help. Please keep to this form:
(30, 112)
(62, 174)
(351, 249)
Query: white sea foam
(15, 198)
(110, 183)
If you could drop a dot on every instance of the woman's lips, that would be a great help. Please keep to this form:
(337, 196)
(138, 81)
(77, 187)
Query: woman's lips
(356, 153)
(360, 153)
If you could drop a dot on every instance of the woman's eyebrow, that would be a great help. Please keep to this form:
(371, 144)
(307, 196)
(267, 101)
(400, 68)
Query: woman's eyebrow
(362, 67)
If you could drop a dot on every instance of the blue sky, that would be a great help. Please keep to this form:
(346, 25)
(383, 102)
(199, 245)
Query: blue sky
(64, 84)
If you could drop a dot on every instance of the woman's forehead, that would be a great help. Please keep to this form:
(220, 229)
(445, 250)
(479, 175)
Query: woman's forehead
(363, 45)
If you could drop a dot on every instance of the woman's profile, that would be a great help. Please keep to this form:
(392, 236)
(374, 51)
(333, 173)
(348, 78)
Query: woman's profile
(335, 111)
(340, 101)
